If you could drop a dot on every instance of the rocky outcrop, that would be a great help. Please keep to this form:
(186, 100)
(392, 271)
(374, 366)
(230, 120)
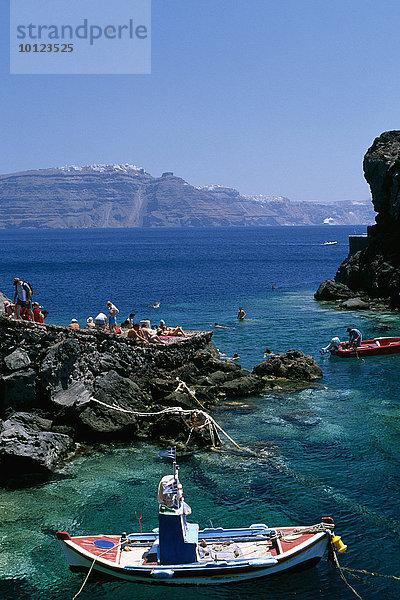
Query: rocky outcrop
(27, 444)
(331, 290)
(62, 388)
(292, 365)
(116, 196)
(78, 387)
(376, 270)
(355, 304)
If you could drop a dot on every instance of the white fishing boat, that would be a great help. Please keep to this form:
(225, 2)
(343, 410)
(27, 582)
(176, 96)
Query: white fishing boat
(178, 553)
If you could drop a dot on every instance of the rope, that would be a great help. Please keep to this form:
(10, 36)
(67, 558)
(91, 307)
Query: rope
(90, 570)
(182, 386)
(363, 572)
(209, 420)
(337, 565)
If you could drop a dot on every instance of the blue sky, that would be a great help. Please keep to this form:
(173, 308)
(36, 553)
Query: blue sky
(279, 98)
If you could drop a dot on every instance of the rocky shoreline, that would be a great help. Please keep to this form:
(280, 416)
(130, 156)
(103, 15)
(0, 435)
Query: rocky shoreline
(64, 389)
(370, 278)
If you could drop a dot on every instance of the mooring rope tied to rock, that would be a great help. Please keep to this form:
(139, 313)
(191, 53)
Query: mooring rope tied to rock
(181, 411)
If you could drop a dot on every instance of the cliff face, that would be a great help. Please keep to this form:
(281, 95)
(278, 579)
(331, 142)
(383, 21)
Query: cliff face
(127, 196)
(376, 270)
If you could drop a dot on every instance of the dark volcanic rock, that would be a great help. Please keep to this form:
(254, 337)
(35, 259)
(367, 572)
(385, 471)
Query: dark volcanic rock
(113, 390)
(293, 364)
(98, 421)
(182, 399)
(243, 386)
(17, 391)
(376, 270)
(355, 304)
(26, 446)
(18, 359)
(330, 290)
(76, 395)
(58, 363)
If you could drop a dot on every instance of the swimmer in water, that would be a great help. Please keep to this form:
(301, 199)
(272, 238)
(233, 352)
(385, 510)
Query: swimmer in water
(155, 305)
(241, 314)
(220, 326)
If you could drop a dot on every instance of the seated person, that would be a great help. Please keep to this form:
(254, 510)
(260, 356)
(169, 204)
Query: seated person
(8, 308)
(100, 321)
(74, 324)
(171, 331)
(136, 334)
(150, 336)
(37, 315)
(90, 322)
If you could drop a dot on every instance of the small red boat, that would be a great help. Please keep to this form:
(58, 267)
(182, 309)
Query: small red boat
(376, 347)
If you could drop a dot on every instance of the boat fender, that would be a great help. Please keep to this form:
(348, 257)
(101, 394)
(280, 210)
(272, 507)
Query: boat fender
(162, 573)
(337, 541)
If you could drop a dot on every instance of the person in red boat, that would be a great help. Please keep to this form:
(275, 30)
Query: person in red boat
(355, 337)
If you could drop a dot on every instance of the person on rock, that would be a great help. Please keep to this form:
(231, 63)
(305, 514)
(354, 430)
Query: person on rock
(90, 323)
(74, 324)
(112, 319)
(100, 321)
(22, 299)
(37, 315)
(135, 333)
(8, 308)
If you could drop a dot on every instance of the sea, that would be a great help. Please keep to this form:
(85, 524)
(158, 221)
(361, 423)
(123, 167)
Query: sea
(331, 449)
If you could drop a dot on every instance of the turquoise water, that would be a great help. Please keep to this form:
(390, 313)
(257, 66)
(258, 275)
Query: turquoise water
(345, 465)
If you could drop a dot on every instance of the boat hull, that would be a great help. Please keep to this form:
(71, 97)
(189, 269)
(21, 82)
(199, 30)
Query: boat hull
(215, 572)
(376, 347)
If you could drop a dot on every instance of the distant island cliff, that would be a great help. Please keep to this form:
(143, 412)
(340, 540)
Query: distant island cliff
(112, 196)
(375, 270)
